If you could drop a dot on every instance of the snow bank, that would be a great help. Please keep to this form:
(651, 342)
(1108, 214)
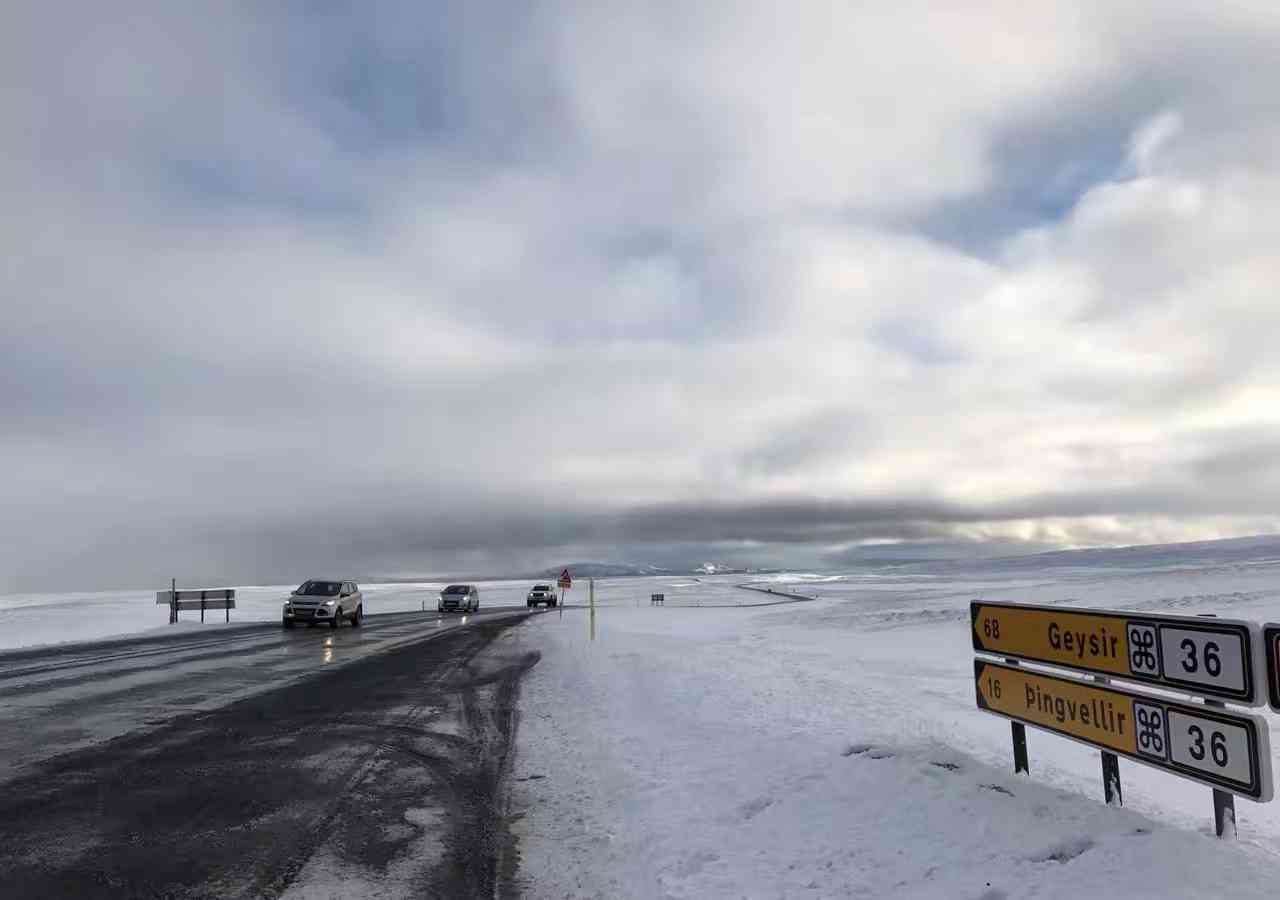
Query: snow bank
(832, 749)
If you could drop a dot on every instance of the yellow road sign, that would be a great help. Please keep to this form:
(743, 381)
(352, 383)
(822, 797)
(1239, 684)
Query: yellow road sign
(1229, 751)
(1271, 640)
(1205, 656)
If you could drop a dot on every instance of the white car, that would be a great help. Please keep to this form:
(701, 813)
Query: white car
(459, 598)
(324, 601)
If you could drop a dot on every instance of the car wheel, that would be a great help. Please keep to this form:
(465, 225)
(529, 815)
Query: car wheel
(355, 617)
(287, 623)
(337, 618)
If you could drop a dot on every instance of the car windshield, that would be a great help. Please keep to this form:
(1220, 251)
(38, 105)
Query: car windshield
(457, 589)
(320, 588)
(542, 587)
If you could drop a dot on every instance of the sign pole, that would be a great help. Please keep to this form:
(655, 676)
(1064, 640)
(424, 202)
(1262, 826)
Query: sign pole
(1224, 814)
(1111, 792)
(1111, 779)
(1019, 732)
(1224, 804)
(1020, 766)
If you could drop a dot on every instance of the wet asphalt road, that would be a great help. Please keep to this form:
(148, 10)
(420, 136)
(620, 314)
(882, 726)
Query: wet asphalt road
(361, 762)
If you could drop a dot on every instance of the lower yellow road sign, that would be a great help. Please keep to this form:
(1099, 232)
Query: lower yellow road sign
(1226, 750)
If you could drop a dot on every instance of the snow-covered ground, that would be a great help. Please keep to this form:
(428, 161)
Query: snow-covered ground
(833, 749)
(718, 748)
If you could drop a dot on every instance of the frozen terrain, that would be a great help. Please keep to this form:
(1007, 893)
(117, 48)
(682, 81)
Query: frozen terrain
(832, 749)
(735, 744)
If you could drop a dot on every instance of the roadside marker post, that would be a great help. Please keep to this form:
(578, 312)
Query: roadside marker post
(564, 582)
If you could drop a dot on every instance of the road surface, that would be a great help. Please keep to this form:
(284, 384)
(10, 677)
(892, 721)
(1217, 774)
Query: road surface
(250, 761)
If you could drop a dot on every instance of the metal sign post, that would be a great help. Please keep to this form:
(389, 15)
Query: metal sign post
(1224, 804)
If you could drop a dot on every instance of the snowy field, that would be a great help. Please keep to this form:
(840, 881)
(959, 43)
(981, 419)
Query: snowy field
(832, 749)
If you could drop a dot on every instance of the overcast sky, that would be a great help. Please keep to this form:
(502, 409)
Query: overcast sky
(395, 288)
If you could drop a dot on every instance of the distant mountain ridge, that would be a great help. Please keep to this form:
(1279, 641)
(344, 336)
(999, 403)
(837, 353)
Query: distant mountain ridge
(604, 570)
(1242, 550)
(1255, 548)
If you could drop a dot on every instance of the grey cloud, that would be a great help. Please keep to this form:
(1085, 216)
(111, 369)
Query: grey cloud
(477, 287)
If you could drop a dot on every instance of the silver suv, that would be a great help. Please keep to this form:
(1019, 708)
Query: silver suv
(324, 601)
(459, 598)
(541, 593)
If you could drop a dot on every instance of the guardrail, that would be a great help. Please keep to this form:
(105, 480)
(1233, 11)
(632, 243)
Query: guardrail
(790, 596)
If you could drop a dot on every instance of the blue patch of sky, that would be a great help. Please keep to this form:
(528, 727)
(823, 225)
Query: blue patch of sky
(216, 183)
(423, 78)
(1043, 164)
(459, 76)
(1035, 190)
(916, 340)
(638, 243)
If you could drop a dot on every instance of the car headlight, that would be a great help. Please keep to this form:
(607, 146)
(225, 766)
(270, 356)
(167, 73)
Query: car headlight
(330, 602)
